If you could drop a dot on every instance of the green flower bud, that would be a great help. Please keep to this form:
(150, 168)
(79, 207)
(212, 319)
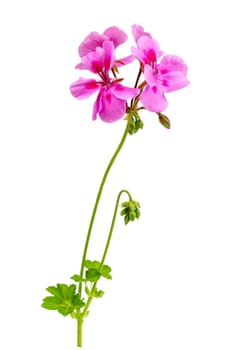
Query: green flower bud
(126, 219)
(132, 215)
(124, 211)
(137, 213)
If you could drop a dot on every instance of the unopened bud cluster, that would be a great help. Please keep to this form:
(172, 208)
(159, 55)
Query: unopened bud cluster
(130, 211)
(135, 122)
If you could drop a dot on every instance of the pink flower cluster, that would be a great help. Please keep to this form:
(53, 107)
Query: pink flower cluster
(161, 74)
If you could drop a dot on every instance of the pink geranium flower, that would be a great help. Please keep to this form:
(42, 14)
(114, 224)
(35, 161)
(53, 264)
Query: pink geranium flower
(94, 40)
(111, 100)
(166, 76)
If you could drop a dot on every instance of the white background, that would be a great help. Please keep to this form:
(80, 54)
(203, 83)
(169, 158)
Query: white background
(172, 270)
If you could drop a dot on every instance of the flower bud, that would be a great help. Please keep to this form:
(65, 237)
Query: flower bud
(132, 215)
(164, 120)
(138, 213)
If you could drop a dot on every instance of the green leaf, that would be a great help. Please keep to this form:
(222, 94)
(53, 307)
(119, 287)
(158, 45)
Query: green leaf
(95, 270)
(105, 272)
(92, 275)
(92, 264)
(77, 278)
(51, 303)
(78, 302)
(55, 291)
(64, 299)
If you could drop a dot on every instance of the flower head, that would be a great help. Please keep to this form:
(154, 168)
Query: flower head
(111, 100)
(95, 40)
(161, 77)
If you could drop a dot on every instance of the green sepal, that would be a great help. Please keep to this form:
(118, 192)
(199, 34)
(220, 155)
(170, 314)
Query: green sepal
(94, 293)
(87, 291)
(98, 293)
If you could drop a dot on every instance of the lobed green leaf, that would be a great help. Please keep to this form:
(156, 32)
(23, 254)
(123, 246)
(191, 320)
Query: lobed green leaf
(95, 270)
(77, 278)
(64, 299)
(93, 275)
(105, 272)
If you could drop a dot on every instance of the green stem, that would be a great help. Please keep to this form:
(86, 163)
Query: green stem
(112, 225)
(80, 331)
(90, 298)
(97, 202)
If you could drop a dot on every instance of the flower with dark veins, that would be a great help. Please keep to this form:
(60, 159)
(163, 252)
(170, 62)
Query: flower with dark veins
(110, 104)
(161, 77)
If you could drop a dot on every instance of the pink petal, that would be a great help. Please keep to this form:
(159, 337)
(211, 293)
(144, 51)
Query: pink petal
(90, 43)
(124, 61)
(109, 56)
(116, 35)
(153, 99)
(101, 58)
(83, 88)
(149, 75)
(139, 31)
(171, 63)
(173, 81)
(81, 65)
(97, 106)
(112, 108)
(137, 53)
(93, 61)
(148, 50)
(122, 92)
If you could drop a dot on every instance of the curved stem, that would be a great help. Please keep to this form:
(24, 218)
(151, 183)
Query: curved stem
(97, 202)
(90, 298)
(112, 225)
